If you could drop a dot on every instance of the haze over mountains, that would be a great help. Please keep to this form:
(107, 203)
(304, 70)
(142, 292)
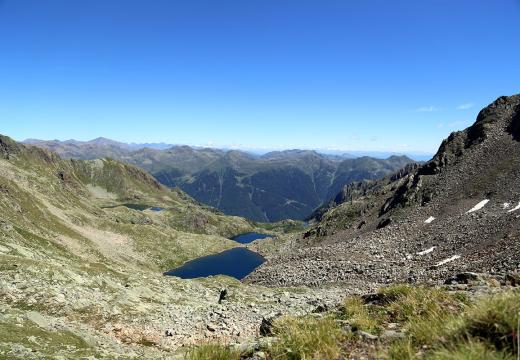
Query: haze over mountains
(275, 186)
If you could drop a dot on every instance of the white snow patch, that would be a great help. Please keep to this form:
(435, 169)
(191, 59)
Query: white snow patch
(479, 206)
(506, 205)
(429, 220)
(427, 251)
(517, 207)
(454, 257)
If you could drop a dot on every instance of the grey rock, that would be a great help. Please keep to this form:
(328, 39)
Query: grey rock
(463, 278)
(37, 318)
(391, 335)
(366, 335)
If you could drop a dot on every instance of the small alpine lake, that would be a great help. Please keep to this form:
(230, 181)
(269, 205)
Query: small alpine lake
(249, 237)
(138, 207)
(237, 262)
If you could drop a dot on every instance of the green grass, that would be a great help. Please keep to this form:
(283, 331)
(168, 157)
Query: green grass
(307, 338)
(409, 306)
(47, 342)
(495, 321)
(212, 352)
(360, 316)
(284, 226)
(344, 216)
(436, 324)
(470, 351)
(445, 324)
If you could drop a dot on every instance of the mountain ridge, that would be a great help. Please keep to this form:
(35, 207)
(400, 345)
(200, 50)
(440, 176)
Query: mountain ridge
(455, 213)
(275, 186)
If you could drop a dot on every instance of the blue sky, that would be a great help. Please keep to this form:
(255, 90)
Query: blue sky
(352, 75)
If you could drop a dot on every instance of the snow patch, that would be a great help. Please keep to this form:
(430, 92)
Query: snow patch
(445, 261)
(517, 207)
(506, 205)
(479, 206)
(429, 220)
(427, 251)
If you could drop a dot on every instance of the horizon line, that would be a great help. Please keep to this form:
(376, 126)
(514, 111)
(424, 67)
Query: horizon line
(245, 148)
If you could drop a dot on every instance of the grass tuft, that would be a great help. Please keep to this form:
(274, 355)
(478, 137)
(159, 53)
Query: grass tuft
(307, 338)
(470, 351)
(360, 316)
(212, 352)
(496, 321)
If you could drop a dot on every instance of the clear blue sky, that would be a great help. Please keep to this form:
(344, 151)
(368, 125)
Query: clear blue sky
(355, 75)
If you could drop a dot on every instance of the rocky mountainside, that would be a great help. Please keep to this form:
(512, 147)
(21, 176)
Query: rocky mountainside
(276, 186)
(82, 258)
(458, 212)
(51, 198)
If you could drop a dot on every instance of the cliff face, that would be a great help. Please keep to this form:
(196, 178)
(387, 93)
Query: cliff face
(483, 142)
(463, 204)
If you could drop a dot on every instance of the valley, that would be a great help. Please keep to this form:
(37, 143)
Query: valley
(85, 243)
(259, 180)
(82, 264)
(268, 188)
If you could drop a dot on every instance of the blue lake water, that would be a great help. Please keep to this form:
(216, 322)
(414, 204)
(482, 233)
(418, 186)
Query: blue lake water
(237, 263)
(249, 237)
(139, 207)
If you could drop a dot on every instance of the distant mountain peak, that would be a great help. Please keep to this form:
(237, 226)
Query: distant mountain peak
(102, 141)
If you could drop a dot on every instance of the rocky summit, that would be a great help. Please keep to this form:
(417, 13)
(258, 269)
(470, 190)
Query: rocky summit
(458, 212)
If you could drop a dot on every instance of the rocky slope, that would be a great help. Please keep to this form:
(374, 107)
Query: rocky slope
(458, 212)
(81, 269)
(82, 272)
(276, 186)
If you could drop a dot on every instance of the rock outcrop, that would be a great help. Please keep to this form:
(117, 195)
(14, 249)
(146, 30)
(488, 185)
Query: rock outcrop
(457, 213)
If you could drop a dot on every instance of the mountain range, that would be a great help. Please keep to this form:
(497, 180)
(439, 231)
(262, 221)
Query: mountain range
(268, 188)
(84, 244)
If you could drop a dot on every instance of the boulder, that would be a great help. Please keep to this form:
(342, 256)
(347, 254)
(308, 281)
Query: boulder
(266, 327)
(463, 278)
(223, 295)
(513, 279)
